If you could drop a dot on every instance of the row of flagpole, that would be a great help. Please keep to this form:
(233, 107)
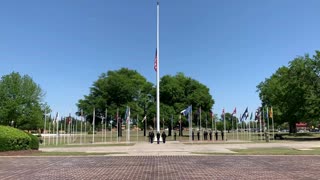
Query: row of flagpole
(71, 130)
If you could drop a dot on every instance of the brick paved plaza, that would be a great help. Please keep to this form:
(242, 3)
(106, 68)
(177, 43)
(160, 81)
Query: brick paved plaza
(161, 167)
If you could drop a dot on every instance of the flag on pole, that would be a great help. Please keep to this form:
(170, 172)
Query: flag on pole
(271, 113)
(186, 111)
(69, 120)
(234, 111)
(56, 119)
(245, 114)
(144, 118)
(251, 116)
(128, 115)
(223, 113)
(155, 66)
(257, 115)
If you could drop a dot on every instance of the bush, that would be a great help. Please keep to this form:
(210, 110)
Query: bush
(34, 143)
(13, 139)
(91, 132)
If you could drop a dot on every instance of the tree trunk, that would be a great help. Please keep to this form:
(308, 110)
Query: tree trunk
(170, 128)
(292, 127)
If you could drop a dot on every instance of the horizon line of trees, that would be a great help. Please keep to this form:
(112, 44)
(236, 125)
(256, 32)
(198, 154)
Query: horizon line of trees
(293, 91)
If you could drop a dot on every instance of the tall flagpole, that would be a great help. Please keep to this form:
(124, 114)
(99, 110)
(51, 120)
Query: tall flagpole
(271, 111)
(81, 126)
(158, 70)
(190, 125)
(117, 125)
(171, 125)
(93, 123)
(57, 123)
(224, 125)
(201, 137)
(268, 129)
(260, 125)
(65, 132)
(105, 126)
(137, 129)
(49, 129)
(44, 130)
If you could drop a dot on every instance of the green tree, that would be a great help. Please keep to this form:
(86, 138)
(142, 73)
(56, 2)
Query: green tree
(179, 91)
(21, 102)
(121, 88)
(117, 90)
(294, 91)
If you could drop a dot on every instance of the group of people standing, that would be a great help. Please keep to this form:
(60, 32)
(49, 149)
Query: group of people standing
(205, 135)
(163, 135)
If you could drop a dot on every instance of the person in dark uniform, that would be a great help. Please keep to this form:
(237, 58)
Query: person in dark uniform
(152, 136)
(192, 135)
(164, 137)
(205, 134)
(216, 134)
(222, 135)
(198, 134)
(210, 135)
(158, 137)
(175, 135)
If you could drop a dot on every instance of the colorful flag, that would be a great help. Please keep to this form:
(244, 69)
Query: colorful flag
(155, 66)
(251, 116)
(69, 119)
(234, 111)
(271, 113)
(257, 115)
(186, 111)
(211, 113)
(245, 114)
(223, 112)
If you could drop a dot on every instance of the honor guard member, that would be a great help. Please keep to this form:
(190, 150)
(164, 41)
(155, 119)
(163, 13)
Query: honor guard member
(158, 137)
(164, 137)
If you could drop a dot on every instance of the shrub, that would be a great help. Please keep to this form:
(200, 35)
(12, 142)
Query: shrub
(91, 132)
(13, 139)
(34, 143)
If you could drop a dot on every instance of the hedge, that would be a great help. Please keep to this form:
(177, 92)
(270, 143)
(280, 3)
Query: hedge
(12, 139)
(34, 143)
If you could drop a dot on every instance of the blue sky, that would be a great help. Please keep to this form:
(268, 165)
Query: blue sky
(228, 45)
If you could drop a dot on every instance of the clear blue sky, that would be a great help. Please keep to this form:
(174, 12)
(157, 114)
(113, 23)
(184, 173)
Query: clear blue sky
(228, 45)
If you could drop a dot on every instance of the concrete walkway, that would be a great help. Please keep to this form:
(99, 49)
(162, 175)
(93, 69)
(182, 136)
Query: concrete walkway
(178, 148)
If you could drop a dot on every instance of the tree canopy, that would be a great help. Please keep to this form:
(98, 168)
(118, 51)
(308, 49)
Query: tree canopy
(117, 90)
(21, 102)
(294, 91)
(124, 87)
(178, 92)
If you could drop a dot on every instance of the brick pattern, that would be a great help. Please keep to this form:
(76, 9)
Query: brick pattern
(161, 167)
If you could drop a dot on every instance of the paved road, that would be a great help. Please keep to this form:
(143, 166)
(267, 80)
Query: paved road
(161, 167)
